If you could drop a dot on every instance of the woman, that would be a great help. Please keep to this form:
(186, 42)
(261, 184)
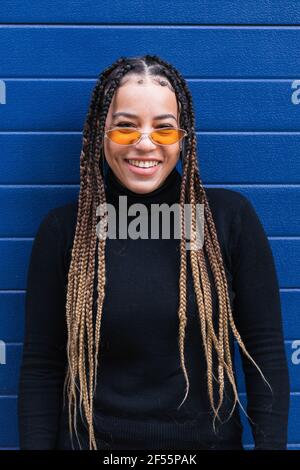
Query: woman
(159, 317)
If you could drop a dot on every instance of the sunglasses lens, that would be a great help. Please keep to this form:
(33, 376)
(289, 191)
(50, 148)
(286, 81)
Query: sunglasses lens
(167, 136)
(125, 136)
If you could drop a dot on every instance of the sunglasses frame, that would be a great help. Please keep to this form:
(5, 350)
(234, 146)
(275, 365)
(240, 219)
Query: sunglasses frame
(148, 135)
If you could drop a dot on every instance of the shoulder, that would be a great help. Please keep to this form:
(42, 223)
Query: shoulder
(65, 218)
(231, 211)
(65, 215)
(56, 219)
(61, 221)
(54, 235)
(225, 198)
(226, 204)
(242, 228)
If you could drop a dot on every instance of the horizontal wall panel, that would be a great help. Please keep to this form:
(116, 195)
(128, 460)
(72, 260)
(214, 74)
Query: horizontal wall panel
(12, 313)
(246, 158)
(28, 205)
(277, 208)
(49, 51)
(9, 372)
(290, 307)
(230, 105)
(9, 436)
(26, 102)
(40, 158)
(136, 12)
(286, 253)
(14, 257)
(37, 158)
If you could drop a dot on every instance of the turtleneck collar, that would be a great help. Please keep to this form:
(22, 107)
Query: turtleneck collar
(168, 192)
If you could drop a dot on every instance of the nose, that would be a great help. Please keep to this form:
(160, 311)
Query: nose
(145, 143)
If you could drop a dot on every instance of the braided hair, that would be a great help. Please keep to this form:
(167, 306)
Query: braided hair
(83, 329)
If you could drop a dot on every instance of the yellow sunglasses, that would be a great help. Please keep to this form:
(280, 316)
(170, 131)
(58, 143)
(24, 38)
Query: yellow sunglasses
(129, 136)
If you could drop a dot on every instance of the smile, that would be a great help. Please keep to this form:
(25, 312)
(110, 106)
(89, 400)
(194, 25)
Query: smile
(143, 164)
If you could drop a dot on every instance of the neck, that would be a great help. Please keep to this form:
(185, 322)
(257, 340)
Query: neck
(168, 192)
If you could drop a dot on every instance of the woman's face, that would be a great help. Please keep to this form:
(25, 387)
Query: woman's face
(147, 101)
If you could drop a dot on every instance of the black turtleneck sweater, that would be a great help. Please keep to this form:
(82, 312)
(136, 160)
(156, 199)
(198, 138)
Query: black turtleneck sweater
(140, 381)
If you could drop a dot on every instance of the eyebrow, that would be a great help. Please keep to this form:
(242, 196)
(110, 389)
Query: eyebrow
(161, 116)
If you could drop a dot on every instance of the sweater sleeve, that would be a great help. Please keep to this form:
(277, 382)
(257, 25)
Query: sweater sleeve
(257, 315)
(44, 358)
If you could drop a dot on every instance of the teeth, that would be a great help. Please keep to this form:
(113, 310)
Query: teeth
(147, 164)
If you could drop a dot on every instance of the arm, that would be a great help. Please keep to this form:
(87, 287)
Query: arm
(257, 314)
(44, 358)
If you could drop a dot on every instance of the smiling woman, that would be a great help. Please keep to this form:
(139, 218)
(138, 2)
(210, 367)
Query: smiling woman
(142, 164)
(159, 317)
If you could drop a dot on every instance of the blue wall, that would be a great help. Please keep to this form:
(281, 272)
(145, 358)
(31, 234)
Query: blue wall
(242, 63)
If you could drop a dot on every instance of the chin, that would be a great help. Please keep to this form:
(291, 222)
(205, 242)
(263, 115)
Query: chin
(142, 188)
